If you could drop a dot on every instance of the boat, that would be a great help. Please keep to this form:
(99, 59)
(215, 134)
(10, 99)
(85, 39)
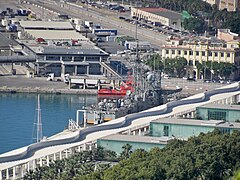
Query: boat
(136, 97)
(124, 89)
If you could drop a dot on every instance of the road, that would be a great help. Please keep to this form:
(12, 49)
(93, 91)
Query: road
(191, 87)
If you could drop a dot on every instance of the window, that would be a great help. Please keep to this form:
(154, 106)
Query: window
(203, 53)
(179, 52)
(66, 58)
(166, 130)
(190, 53)
(190, 62)
(185, 52)
(217, 115)
(79, 58)
(228, 54)
(52, 58)
(210, 53)
(216, 54)
(92, 58)
(222, 54)
(173, 51)
(167, 51)
(197, 53)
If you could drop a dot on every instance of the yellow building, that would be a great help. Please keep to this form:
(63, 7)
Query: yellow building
(203, 50)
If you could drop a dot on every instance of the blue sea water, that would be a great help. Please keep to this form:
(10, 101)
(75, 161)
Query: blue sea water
(18, 111)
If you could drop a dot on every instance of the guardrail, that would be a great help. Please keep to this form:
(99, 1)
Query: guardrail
(31, 149)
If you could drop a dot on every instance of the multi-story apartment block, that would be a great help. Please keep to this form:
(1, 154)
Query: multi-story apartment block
(197, 50)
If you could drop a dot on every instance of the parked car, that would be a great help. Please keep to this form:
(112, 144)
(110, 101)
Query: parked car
(166, 76)
(191, 79)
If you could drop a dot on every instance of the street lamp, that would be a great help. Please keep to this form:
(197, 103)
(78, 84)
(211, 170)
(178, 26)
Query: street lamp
(204, 78)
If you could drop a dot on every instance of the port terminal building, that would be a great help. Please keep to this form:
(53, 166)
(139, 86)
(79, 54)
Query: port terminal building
(59, 49)
(160, 15)
(60, 57)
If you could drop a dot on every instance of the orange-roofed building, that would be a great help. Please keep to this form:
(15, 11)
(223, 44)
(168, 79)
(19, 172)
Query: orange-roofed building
(160, 15)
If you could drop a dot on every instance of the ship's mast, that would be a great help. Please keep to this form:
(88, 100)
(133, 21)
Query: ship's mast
(136, 64)
(38, 123)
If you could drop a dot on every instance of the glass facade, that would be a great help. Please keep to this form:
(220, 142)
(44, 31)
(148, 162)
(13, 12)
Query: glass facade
(217, 115)
(229, 115)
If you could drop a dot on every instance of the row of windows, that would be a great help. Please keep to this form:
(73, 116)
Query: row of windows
(69, 58)
(210, 53)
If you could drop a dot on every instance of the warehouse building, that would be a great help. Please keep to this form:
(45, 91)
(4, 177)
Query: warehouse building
(164, 16)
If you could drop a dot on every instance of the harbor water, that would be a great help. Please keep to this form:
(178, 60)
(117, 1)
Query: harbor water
(18, 111)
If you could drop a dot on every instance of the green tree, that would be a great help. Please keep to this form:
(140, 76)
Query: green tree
(180, 64)
(127, 150)
(226, 69)
(155, 62)
(197, 25)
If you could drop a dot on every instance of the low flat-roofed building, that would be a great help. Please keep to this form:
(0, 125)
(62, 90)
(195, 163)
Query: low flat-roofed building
(186, 128)
(225, 112)
(60, 57)
(117, 141)
(49, 30)
(162, 15)
(54, 34)
(47, 25)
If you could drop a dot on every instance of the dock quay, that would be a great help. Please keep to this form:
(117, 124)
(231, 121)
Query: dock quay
(5, 89)
(20, 84)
